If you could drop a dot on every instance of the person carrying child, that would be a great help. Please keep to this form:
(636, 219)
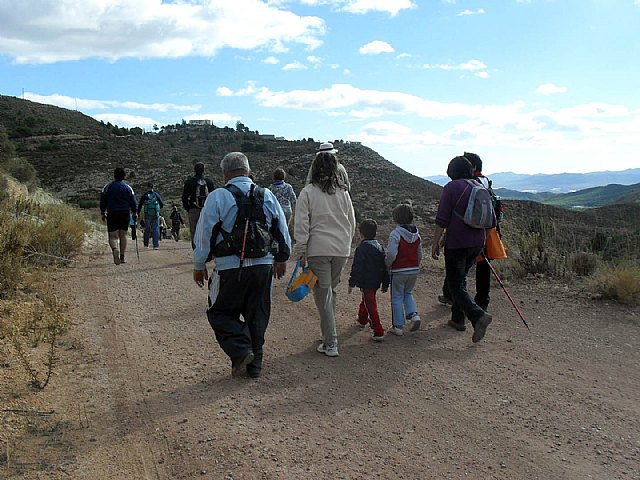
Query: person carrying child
(369, 272)
(403, 257)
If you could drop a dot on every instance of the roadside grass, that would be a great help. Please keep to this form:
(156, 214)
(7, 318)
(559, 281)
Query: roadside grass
(38, 235)
(618, 282)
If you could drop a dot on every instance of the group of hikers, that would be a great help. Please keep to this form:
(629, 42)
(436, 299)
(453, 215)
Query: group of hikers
(244, 229)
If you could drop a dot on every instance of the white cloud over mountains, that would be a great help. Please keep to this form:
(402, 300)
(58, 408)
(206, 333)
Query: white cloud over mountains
(33, 31)
(376, 47)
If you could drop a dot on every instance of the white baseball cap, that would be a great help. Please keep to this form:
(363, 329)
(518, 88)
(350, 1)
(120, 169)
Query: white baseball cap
(327, 147)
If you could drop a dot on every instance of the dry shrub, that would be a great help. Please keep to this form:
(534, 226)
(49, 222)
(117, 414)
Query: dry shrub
(584, 263)
(620, 282)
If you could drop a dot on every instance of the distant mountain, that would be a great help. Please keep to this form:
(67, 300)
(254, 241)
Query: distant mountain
(597, 196)
(557, 182)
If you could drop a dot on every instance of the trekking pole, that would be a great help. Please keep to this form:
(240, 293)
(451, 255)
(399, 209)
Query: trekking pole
(244, 242)
(495, 274)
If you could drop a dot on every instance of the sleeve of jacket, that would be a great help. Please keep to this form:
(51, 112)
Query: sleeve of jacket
(301, 223)
(352, 218)
(160, 200)
(392, 248)
(420, 251)
(386, 281)
(355, 279)
(210, 185)
(103, 198)
(185, 195)
(133, 205)
(209, 217)
(291, 195)
(141, 202)
(279, 229)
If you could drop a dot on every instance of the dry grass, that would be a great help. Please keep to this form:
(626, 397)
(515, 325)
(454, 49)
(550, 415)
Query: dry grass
(619, 282)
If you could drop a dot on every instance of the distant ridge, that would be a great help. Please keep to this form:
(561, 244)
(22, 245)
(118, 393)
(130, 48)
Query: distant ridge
(555, 182)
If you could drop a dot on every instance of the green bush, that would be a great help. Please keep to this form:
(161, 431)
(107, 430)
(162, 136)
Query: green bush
(583, 263)
(21, 170)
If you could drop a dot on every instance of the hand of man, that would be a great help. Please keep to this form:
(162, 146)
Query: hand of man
(279, 269)
(200, 277)
(435, 251)
(303, 261)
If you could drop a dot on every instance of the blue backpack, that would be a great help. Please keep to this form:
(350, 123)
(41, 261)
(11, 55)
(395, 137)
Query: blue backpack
(151, 206)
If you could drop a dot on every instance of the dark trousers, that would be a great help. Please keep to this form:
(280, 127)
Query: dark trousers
(458, 262)
(483, 285)
(248, 297)
(368, 311)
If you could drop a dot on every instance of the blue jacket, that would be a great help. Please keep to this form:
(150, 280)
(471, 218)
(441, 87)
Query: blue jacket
(220, 205)
(368, 269)
(117, 196)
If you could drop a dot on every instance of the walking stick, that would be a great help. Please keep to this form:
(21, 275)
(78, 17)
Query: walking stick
(135, 236)
(495, 274)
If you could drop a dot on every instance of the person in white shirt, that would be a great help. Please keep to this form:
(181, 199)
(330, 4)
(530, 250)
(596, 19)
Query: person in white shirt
(324, 228)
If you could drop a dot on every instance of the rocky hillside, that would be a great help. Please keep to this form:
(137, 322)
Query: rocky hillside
(75, 155)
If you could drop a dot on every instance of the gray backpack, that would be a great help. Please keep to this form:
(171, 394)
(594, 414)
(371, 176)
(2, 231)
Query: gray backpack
(479, 212)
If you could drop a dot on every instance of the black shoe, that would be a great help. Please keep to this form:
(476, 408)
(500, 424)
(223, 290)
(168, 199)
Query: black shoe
(480, 328)
(457, 326)
(254, 372)
(445, 300)
(237, 366)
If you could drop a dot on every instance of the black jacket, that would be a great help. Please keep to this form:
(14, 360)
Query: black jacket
(368, 269)
(189, 191)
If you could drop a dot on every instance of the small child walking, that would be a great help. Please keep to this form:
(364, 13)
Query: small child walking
(369, 273)
(404, 254)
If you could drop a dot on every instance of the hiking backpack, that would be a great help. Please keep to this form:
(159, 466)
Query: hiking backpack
(250, 236)
(151, 206)
(479, 211)
(202, 190)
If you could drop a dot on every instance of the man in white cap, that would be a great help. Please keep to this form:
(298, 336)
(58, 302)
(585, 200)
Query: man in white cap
(342, 172)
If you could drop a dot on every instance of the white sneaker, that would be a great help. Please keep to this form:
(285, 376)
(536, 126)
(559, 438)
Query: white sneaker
(378, 338)
(415, 323)
(331, 350)
(397, 331)
(322, 348)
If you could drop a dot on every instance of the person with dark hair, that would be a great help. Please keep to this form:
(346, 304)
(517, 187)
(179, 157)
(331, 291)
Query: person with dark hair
(194, 193)
(239, 287)
(117, 206)
(323, 228)
(369, 273)
(283, 192)
(483, 271)
(152, 202)
(462, 246)
(403, 258)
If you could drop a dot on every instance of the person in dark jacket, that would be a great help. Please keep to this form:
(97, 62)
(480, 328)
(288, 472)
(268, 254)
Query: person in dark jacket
(194, 193)
(152, 203)
(369, 272)
(462, 246)
(176, 223)
(117, 206)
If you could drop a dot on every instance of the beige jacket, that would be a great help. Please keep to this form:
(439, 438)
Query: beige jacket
(324, 224)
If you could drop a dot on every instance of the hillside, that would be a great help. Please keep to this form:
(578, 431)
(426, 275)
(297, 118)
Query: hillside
(75, 156)
(78, 154)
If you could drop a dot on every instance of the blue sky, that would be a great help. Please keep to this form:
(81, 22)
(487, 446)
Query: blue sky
(532, 86)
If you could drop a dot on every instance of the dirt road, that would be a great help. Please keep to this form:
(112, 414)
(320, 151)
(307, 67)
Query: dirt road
(142, 390)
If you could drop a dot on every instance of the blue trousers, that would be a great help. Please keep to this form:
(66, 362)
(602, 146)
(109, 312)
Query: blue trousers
(402, 303)
(151, 229)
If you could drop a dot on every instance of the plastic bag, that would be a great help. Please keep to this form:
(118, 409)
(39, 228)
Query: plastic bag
(301, 282)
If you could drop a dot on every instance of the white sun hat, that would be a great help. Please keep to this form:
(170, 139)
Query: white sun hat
(327, 147)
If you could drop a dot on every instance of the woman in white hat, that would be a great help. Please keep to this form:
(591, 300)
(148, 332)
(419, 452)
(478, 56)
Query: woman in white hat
(327, 147)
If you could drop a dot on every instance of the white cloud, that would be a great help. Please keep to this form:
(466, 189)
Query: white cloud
(483, 74)
(271, 60)
(550, 88)
(470, 66)
(376, 47)
(47, 32)
(313, 59)
(294, 66)
(125, 120)
(72, 103)
(392, 7)
(468, 12)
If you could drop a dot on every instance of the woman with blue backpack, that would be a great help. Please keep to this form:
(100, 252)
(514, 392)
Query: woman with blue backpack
(151, 203)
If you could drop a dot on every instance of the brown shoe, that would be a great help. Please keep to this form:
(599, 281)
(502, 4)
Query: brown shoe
(457, 326)
(236, 367)
(480, 328)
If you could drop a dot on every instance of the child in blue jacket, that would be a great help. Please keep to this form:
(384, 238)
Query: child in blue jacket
(369, 272)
